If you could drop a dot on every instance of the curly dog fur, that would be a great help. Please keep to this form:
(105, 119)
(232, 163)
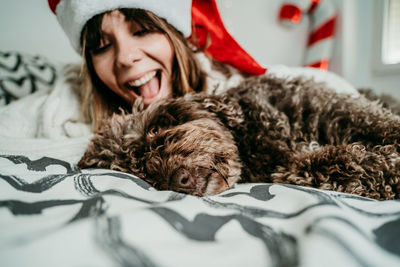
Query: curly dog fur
(268, 129)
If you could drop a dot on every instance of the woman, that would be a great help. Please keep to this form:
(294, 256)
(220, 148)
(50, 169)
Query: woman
(136, 51)
(136, 54)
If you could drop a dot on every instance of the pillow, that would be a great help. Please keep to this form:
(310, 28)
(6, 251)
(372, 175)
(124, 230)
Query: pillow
(22, 74)
(331, 79)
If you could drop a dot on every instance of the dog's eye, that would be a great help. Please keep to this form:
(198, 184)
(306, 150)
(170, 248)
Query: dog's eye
(153, 131)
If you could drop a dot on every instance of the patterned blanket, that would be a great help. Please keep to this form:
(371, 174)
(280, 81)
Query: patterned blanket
(53, 214)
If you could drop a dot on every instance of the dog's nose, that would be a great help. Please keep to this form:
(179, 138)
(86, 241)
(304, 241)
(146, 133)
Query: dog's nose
(181, 179)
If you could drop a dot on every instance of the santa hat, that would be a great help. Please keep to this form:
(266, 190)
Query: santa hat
(200, 15)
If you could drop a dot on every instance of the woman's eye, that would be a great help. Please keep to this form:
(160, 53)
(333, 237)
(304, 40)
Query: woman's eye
(100, 49)
(141, 32)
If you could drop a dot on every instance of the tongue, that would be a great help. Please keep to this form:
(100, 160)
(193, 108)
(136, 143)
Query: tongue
(149, 89)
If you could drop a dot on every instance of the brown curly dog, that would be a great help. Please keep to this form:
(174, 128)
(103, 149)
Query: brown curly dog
(292, 131)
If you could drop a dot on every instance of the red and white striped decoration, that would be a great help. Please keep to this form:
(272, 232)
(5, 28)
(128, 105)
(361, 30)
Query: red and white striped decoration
(322, 28)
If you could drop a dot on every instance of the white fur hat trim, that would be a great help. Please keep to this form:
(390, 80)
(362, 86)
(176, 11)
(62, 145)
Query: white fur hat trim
(73, 14)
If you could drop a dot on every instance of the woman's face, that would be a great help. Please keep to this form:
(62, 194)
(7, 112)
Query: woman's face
(133, 62)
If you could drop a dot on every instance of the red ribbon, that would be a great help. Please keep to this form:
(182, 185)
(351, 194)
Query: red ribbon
(210, 34)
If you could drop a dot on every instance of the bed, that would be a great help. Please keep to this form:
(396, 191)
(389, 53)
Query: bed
(54, 214)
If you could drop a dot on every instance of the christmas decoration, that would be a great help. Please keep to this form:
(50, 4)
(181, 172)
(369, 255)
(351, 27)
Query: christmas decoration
(323, 18)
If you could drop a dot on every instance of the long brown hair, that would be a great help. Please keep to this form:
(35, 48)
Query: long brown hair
(99, 102)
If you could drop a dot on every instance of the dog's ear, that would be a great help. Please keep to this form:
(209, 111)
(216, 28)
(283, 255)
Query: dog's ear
(94, 156)
(226, 108)
(107, 153)
(108, 147)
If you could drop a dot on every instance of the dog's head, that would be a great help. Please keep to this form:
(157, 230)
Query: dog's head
(175, 144)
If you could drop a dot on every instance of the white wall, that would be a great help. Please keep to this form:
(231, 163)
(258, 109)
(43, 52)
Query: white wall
(29, 26)
(255, 26)
(359, 41)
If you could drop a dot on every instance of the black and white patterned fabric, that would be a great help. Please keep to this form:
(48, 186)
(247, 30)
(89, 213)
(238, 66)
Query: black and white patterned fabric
(53, 214)
(22, 74)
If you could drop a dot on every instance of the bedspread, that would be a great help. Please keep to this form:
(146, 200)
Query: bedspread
(53, 214)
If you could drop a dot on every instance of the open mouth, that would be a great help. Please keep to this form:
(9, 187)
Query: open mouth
(147, 86)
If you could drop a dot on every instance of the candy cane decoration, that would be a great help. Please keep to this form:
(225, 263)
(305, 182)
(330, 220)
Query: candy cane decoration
(322, 19)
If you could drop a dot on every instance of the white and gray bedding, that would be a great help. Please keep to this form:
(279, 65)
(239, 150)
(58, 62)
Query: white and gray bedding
(53, 214)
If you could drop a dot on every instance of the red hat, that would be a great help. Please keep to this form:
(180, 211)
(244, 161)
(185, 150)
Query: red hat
(200, 18)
